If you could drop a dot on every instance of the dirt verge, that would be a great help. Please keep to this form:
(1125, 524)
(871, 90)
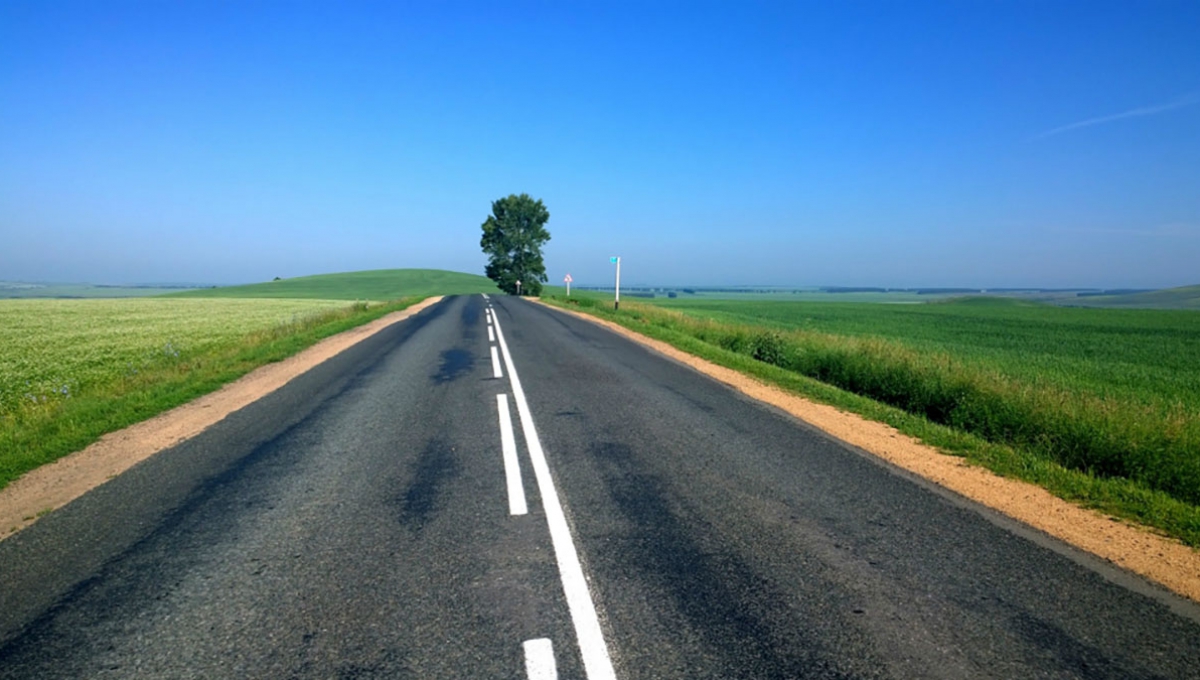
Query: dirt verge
(1162, 560)
(56, 484)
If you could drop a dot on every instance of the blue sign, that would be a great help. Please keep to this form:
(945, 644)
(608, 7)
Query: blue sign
(613, 260)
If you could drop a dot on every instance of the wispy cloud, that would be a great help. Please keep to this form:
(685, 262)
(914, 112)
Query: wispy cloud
(1132, 113)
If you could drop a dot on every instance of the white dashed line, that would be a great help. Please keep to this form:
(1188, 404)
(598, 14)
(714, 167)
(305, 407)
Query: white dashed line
(491, 334)
(592, 646)
(539, 660)
(512, 468)
(496, 364)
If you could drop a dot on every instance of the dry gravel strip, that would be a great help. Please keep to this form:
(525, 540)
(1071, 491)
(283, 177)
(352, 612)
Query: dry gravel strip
(56, 484)
(1162, 560)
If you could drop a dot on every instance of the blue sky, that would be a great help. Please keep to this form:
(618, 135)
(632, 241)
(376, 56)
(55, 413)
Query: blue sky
(885, 143)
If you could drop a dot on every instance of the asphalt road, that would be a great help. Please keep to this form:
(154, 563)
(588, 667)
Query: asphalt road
(359, 523)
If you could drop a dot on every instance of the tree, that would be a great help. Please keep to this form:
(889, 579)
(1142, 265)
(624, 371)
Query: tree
(512, 237)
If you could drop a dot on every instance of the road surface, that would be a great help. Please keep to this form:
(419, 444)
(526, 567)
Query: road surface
(536, 498)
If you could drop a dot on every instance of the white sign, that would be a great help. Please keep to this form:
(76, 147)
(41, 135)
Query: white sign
(567, 280)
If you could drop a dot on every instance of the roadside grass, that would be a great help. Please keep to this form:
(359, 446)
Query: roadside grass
(142, 364)
(1115, 445)
(379, 284)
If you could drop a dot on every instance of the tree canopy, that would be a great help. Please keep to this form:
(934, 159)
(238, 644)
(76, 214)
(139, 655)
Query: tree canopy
(513, 236)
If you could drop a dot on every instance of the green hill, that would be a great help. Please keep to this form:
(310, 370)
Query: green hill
(379, 284)
(1186, 297)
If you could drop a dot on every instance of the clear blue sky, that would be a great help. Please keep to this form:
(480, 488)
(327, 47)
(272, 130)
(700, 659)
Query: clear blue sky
(887, 143)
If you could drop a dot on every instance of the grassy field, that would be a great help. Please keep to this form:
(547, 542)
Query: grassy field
(1102, 406)
(53, 348)
(380, 284)
(1138, 356)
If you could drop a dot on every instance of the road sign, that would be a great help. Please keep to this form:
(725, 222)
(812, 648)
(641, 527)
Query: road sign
(613, 259)
(567, 280)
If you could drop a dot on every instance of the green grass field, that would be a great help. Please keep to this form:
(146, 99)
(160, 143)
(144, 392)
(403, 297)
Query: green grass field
(52, 348)
(1100, 405)
(73, 370)
(1139, 356)
(380, 284)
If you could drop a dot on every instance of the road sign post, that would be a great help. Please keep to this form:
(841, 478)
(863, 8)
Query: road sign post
(518, 287)
(617, 300)
(567, 280)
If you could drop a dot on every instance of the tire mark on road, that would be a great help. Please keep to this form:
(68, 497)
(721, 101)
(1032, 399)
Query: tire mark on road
(456, 362)
(719, 596)
(436, 466)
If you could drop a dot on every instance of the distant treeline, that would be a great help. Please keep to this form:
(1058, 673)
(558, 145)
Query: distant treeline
(1114, 291)
(155, 286)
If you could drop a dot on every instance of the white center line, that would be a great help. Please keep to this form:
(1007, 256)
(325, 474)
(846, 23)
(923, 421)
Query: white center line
(512, 468)
(592, 646)
(491, 334)
(539, 659)
(496, 364)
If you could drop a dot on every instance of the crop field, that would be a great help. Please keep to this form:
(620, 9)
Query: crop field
(1140, 356)
(1111, 395)
(71, 370)
(51, 348)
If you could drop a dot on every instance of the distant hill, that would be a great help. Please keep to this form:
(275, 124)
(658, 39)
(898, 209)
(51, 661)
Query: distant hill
(1186, 297)
(12, 289)
(379, 284)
